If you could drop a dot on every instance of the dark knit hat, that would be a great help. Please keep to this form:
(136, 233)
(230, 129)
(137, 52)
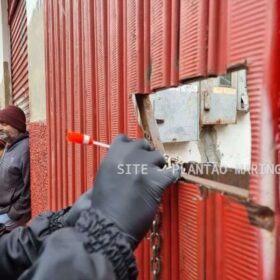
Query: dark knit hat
(13, 116)
(2, 144)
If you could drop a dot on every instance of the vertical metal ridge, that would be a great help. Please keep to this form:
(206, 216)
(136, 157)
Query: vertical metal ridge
(240, 242)
(132, 73)
(88, 81)
(52, 130)
(63, 96)
(174, 229)
(213, 36)
(101, 48)
(57, 107)
(48, 96)
(191, 232)
(69, 75)
(250, 49)
(78, 93)
(138, 44)
(146, 46)
(175, 31)
(137, 56)
(115, 78)
(160, 43)
(193, 38)
(19, 57)
(166, 237)
(124, 95)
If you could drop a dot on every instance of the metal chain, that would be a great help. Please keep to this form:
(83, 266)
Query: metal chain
(155, 237)
(155, 244)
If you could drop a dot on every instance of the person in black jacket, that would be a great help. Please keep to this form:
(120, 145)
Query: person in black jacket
(95, 238)
(15, 207)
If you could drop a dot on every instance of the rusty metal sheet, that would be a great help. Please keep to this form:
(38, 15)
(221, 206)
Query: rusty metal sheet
(193, 39)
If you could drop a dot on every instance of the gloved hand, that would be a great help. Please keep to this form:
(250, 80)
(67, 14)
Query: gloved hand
(83, 203)
(130, 196)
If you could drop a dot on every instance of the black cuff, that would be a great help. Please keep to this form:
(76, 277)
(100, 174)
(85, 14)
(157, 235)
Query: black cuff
(103, 236)
(57, 220)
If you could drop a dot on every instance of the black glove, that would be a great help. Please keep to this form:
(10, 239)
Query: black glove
(83, 203)
(129, 185)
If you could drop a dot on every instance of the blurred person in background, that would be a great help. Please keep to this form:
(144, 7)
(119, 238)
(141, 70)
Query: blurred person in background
(2, 147)
(15, 207)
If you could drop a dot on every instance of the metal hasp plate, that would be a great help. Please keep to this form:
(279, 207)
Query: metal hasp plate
(243, 99)
(176, 111)
(218, 106)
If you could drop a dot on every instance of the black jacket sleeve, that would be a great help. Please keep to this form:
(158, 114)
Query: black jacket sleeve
(94, 249)
(20, 248)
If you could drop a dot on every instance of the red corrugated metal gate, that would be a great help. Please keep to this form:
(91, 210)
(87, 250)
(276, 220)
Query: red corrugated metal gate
(19, 57)
(100, 52)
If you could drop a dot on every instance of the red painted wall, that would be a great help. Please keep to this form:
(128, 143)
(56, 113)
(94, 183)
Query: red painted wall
(99, 52)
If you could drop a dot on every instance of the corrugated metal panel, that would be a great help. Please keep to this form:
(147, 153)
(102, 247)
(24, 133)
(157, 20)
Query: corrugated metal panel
(174, 236)
(191, 233)
(217, 37)
(137, 42)
(247, 39)
(135, 46)
(240, 247)
(19, 56)
(67, 8)
(86, 89)
(63, 105)
(98, 53)
(102, 72)
(193, 38)
(160, 43)
(12, 5)
(89, 83)
(164, 51)
(233, 245)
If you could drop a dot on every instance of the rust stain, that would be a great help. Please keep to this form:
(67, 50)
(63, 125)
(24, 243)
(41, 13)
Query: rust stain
(148, 121)
(260, 216)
